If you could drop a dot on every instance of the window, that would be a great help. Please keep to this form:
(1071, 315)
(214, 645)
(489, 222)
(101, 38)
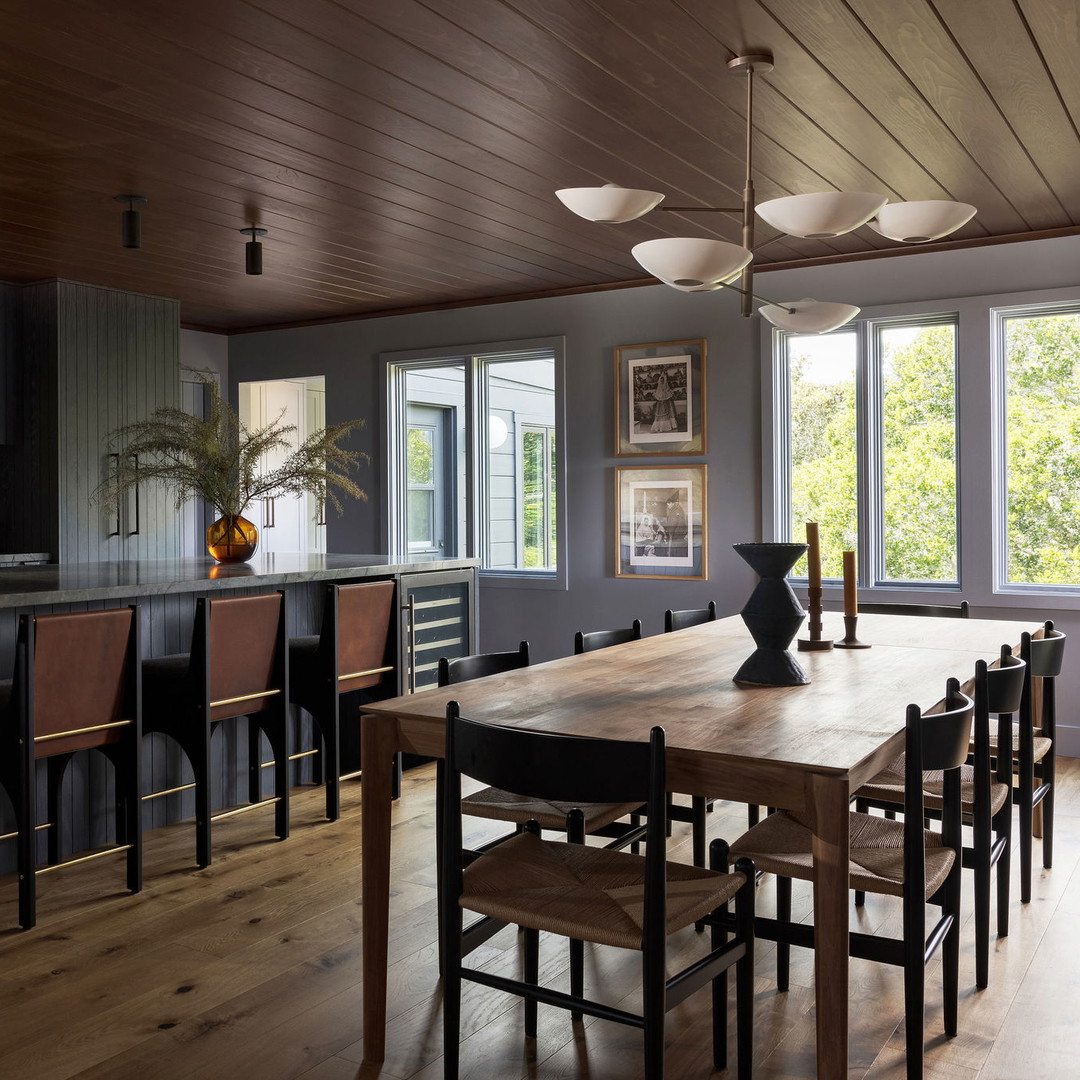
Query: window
(867, 447)
(1038, 416)
(474, 458)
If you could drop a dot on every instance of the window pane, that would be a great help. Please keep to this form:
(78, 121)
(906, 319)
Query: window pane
(823, 472)
(421, 466)
(520, 398)
(1042, 417)
(918, 468)
(421, 519)
(533, 506)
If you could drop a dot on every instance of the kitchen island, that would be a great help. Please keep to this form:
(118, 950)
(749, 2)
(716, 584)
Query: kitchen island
(434, 617)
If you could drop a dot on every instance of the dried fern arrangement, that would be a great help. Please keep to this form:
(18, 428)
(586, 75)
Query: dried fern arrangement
(219, 459)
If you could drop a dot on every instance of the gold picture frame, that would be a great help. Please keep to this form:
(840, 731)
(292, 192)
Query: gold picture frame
(660, 398)
(661, 522)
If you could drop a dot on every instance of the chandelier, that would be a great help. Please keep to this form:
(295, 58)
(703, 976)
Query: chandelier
(697, 264)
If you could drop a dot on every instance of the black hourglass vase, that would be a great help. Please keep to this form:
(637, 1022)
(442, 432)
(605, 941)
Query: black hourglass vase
(773, 616)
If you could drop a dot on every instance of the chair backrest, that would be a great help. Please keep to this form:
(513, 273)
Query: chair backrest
(78, 677)
(941, 739)
(938, 611)
(602, 639)
(934, 741)
(680, 620)
(561, 768)
(1047, 653)
(1005, 683)
(998, 691)
(361, 629)
(466, 668)
(239, 652)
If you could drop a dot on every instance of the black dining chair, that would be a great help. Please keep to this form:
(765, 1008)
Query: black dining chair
(901, 859)
(611, 898)
(985, 798)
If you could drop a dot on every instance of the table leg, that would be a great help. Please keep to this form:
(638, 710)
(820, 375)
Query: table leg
(829, 803)
(378, 743)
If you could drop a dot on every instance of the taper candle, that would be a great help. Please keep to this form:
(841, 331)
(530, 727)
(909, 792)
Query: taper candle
(813, 555)
(851, 596)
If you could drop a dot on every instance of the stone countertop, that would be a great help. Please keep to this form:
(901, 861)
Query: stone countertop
(72, 583)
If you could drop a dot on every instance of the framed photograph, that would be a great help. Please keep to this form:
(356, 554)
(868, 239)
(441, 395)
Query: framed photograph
(661, 522)
(660, 398)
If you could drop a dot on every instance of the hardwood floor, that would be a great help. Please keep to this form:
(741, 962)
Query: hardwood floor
(250, 968)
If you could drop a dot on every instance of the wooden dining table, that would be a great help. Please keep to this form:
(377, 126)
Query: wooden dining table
(800, 748)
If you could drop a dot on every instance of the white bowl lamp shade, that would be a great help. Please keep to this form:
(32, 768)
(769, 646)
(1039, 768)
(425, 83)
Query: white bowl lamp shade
(809, 316)
(610, 204)
(921, 222)
(821, 215)
(691, 263)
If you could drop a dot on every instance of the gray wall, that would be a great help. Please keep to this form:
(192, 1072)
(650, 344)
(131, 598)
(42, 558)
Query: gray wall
(347, 354)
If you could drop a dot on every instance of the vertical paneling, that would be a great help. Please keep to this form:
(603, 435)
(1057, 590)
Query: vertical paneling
(117, 358)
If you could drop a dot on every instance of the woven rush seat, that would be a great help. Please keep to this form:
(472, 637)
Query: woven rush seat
(782, 844)
(1040, 744)
(888, 786)
(592, 894)
(499, 805)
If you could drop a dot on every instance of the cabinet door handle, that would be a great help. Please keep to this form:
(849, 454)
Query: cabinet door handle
(410, 607)
(115, 463)
(269, 512)
(138, 514)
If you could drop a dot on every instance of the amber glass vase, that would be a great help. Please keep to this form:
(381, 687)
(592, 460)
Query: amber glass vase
(232, 539)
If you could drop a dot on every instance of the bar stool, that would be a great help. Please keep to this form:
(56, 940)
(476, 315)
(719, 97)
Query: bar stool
(238, 666)
(351, 654)
(76, 687)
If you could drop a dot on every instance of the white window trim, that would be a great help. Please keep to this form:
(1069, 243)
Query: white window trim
(1000, 464)
(869, 438)
(392, 446)
(979, 537)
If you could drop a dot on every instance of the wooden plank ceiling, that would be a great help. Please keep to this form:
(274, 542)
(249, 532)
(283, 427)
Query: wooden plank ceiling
(404, 153)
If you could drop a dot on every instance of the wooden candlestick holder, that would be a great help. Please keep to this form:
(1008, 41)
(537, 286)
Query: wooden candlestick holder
(850, 640)
(815, 642)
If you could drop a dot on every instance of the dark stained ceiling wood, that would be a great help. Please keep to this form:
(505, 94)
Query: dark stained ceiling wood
(404, 154)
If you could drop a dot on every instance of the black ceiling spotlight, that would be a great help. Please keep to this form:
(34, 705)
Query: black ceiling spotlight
(253, 250)
(130, 223)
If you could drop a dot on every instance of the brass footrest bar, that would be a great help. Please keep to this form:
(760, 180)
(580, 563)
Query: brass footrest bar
(245, 809)
(370, 671)
(168, 791)
(352, 775)
(292, 757)
(37, 828)
(243, 697)
(81, 731)
(83, 858)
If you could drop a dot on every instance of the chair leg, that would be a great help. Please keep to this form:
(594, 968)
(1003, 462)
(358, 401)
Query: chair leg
(697, 813)
(783, 915)
(653, 1011)
(26, 851)
(254, 741)
(914, 1002)
(277, 731)
(575, 834)
(331, 758)
(200, 766)
(753, 815)
(950, 952)
(718, 860)
(1048, 813)
(982, 840)
(635, 823)
(1025, 822)
(1004, 870)
(450, 948)
(532, 976)
(744, 972)
(54, 773)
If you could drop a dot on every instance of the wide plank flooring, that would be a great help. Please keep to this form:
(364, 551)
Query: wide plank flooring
(251, 968)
